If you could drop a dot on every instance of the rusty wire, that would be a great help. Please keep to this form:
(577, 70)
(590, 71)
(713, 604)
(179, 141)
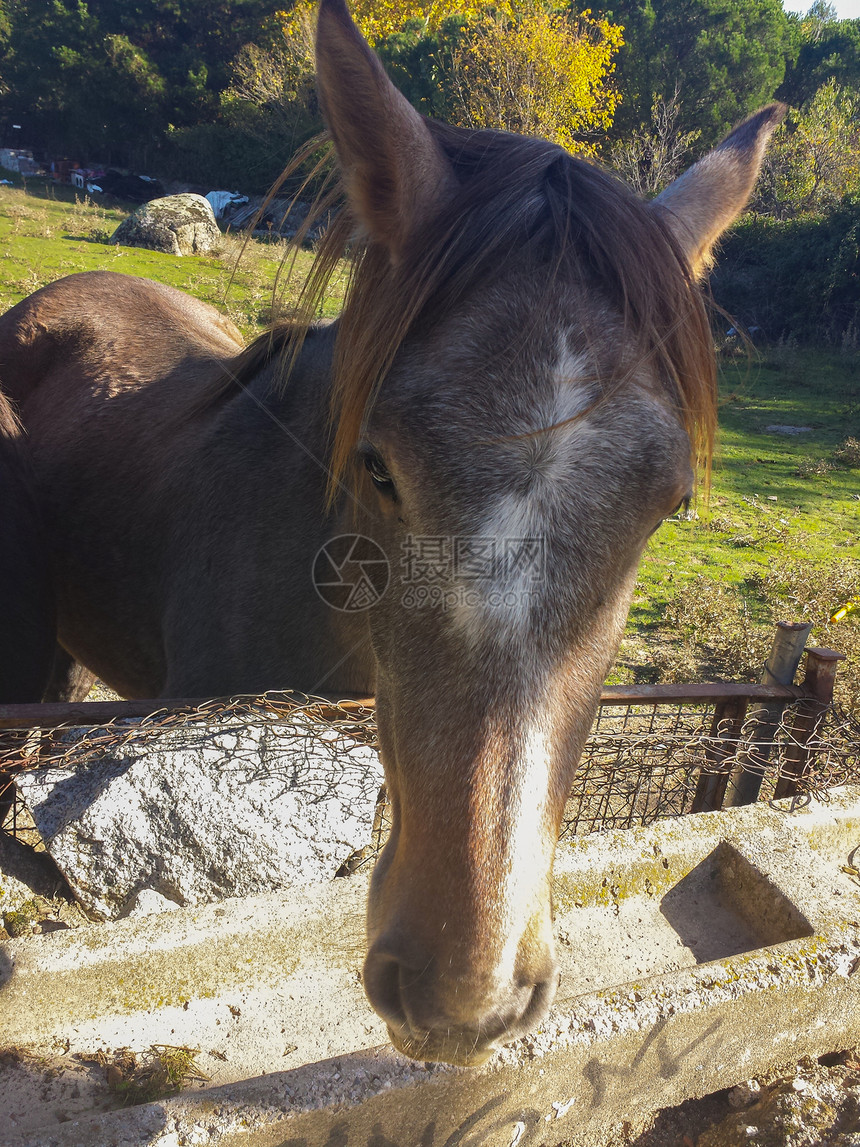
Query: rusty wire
(644, 763)
(641, 762)
(300, 723)
(70, 747)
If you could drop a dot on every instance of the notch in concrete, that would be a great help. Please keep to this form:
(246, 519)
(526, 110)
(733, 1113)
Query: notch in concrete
(737, 889)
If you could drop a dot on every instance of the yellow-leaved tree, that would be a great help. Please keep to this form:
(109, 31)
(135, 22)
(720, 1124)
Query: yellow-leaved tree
(525, 67)
(539, 72)
(379, 19)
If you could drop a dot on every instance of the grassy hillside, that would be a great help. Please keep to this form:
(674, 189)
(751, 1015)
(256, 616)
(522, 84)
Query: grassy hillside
(778, 537)
(47, 232)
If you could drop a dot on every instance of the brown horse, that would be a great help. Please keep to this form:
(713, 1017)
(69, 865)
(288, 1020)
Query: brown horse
(28, 626)
(512, 400)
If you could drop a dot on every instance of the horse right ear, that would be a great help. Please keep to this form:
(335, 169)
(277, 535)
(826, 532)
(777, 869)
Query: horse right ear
(395, 175)
(707, 199)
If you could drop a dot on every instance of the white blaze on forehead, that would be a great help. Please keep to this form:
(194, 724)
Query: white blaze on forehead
(503, 602)
(571, 366)
(520, 524)
(573, 377)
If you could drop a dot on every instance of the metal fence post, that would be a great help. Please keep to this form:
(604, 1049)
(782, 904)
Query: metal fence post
(726, 728)
(821, 666)
(779, 669)
(12, 745)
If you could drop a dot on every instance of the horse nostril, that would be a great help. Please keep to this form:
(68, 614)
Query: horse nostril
(382, 976)
(542, 995)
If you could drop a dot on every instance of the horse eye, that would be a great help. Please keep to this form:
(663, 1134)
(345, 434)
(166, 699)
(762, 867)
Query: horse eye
(683, 505)
(379, 475)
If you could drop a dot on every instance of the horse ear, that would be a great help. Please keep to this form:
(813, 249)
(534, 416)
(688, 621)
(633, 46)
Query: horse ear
(707, 199)
(395, 174)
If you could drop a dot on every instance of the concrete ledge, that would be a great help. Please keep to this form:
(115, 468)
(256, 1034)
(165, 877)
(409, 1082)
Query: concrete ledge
(695, 954)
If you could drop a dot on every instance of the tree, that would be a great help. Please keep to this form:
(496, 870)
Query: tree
(278, 77)
(419, 62)
(48, 45)
(795, 277)
(827, 49)
(529, 68)
(98, 78)
(814, 160)
(411, 37)
(379, 19)
(650, 158)
(727, 57)
(537, 72)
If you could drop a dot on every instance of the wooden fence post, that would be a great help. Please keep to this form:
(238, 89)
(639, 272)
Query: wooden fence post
(779, 669)
(821, 666)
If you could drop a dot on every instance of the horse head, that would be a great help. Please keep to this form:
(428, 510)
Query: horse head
(524, 384)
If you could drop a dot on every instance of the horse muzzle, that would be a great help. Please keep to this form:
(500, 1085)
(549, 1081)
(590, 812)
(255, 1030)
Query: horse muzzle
(442, 1019)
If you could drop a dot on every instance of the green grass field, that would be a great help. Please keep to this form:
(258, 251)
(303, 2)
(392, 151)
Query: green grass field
(777, 539)
(47, 232)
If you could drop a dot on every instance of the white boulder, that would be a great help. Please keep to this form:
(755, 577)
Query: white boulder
(196, 815)
(176, 224)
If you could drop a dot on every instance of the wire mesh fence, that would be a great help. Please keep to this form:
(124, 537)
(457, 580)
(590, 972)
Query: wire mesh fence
(659, 753)
(306, 729)
(642, 763)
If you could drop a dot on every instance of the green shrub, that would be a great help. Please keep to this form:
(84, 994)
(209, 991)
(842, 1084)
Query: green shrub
(248, 156)
(798, 277)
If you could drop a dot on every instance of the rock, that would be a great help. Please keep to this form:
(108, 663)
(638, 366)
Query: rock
(196, 815)
(22, 921)
(13, 894)
(176, 224)
(744, 1094)
(824, 1113)
(26, 875)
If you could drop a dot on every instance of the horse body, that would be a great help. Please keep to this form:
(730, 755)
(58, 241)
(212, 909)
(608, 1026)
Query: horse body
(160, 522)
(27, 633)
(516, 388)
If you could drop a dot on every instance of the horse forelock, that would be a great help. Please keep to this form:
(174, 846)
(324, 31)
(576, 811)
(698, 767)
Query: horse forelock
(527, 200)
(523, 202)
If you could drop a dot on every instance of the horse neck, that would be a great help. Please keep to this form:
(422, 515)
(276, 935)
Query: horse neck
(297, 431)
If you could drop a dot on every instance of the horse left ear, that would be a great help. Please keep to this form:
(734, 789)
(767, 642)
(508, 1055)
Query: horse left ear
(707, 199)
(396, 177)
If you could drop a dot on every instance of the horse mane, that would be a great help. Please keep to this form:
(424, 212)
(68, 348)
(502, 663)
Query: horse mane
(10, 424)
(519, 199)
